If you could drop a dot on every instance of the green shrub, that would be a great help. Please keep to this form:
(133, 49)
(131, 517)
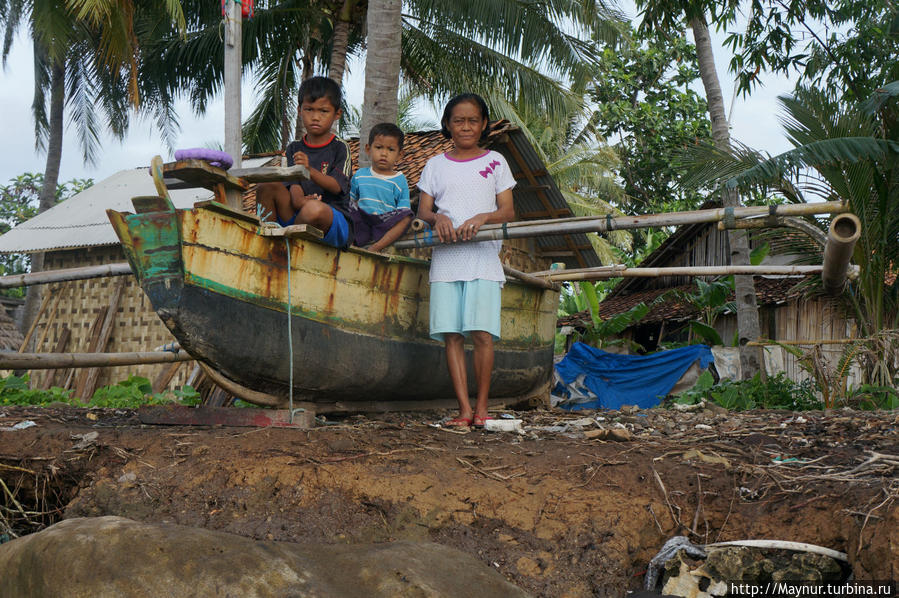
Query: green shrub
(128, 394)
(869, 397)
(777, 392)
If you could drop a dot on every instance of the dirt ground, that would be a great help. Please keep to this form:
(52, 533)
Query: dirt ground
(561, 510)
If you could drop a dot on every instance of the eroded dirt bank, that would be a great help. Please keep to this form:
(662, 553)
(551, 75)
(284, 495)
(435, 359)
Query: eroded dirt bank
(558, 513)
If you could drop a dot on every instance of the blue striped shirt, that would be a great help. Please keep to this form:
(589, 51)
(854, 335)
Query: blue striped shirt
(378, 194)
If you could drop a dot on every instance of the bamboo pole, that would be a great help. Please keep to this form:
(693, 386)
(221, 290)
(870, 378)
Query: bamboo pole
(529, 279)
(604, 272)
(65, 275)
(592, 224)
(844, 232)
(49, 361)
(824, 341)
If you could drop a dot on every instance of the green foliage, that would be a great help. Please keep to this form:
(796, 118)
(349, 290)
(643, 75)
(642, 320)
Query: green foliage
(128, 394)
(645, 104)
(849, 46)
(843, 150)
(871, 397)
(777, 392)
(14, 391)
(18, 203)
(600, 332)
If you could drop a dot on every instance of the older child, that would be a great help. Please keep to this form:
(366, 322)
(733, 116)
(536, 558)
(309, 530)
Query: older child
(461, 191)
(323, 200)
(379, 195)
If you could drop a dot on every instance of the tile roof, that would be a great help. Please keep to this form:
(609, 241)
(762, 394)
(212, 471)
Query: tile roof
(769, 291)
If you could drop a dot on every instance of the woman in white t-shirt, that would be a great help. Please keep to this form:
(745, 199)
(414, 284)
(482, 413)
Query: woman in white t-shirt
(461, 191)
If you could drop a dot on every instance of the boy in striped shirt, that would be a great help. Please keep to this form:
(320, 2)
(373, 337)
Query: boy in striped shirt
(379, 195)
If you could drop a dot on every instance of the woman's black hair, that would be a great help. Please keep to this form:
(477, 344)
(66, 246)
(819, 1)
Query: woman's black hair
(465, 97)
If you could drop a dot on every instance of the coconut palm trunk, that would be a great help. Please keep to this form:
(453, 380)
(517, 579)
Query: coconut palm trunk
(382, 68)
(340, 40)
(747, 308)
(47, 197)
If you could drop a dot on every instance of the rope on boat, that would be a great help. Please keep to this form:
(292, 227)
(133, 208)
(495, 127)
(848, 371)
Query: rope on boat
(290, 339)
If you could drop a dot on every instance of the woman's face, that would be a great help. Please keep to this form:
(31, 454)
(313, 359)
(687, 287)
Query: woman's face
(465, 124)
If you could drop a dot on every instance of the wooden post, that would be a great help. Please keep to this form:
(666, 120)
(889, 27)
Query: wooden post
(233, 60)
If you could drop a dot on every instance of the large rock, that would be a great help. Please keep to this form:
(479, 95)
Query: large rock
(120, 558)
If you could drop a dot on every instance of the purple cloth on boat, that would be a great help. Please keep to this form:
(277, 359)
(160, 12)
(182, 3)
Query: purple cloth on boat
(369, 228)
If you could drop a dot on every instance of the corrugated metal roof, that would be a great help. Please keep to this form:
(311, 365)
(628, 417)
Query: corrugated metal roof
(538, 198)
(81, 220)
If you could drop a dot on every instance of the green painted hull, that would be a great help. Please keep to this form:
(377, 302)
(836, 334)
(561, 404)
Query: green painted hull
(358, 321)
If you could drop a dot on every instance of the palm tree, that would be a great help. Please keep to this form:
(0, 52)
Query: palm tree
(446, 47)
(667, 14)
(382, 68)
(86, 55)
(582, 165)
(840, 152)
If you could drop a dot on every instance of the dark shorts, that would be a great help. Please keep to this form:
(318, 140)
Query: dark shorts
(336, 235)
(369, 228)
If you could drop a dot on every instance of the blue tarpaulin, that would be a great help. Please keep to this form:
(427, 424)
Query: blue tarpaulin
(615, 380)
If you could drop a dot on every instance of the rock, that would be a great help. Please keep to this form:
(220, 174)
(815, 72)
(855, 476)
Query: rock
(113, 557)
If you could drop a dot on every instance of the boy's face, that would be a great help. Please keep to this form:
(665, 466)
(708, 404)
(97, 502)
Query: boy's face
(385, 152)
(318, 116)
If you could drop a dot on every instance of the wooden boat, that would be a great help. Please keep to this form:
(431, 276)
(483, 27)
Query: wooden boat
(227, 286)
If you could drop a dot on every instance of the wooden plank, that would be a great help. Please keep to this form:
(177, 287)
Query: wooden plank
(202, 174)
(50, 318)
(220, 208)
(51, 375)
(37, 318)
(294, 231)
(224, 416)
(165, 376)
(149, 203)
(89, 382)
(271, 174)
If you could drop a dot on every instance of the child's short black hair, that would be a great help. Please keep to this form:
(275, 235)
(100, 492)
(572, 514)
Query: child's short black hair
(387, 130)
(465, 97)
(315, 88)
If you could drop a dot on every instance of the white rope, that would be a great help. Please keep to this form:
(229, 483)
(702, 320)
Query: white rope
(289, 336)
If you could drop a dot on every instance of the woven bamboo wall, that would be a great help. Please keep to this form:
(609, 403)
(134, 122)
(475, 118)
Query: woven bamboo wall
(77, 305)
(804, 319)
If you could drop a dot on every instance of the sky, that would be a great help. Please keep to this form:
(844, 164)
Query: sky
(753, 120)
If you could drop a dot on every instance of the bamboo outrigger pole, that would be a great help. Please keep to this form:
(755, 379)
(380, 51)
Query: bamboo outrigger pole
(606, 272)
(842, 235)
(52, 361)
(65, 275)
(593, 224)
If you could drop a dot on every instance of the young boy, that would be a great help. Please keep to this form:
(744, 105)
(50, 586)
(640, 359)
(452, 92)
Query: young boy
(323, 200)
(379, 195)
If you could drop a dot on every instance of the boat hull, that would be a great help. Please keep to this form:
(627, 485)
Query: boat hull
(358, 323)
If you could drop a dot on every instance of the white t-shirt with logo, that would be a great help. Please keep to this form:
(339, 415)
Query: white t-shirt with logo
(462, 189)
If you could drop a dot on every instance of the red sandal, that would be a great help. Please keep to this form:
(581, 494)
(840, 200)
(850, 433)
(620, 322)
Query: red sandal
(458, 422)
(479, 422)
